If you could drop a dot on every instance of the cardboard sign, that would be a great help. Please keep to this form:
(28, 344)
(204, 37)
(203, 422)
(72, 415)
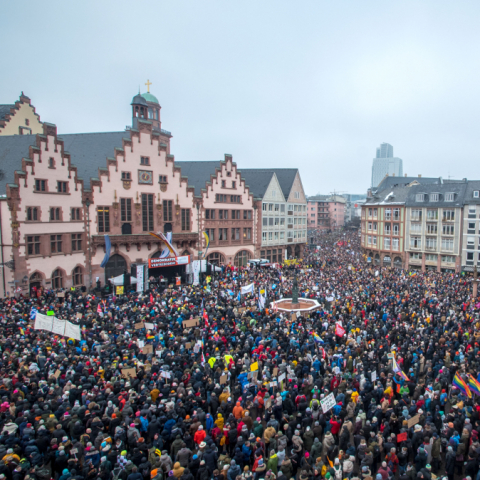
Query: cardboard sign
(191, 323)
(61, 294)
(79, 315)
(413, 421)
(139, 326)
(268, 403)
(188, 345)
(241, 309)
(328, 403)
(275, 372)
(57, 373)
(223, 379)
(147, 349)
(129, 372)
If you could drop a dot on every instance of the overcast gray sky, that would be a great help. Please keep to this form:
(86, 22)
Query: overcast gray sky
(316, 85)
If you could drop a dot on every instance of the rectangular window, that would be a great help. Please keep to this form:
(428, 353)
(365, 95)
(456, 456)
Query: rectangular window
(103, 216)
(370, 212)
(126, 176)
(235, 198)
(282, 208)
(448, 259)
(447, 244)
(476, 194)
(76, 242)
(33, 245)
(55, 214)
(234, 184)
(416, 227)
(264, 236)
(431, 243)
(147, 212)
(235, 234)
(224, 183)
(415, 256)
(162, 179)
(432, 228)
(387, 229)
(210, 214)
(431, 257)
(75, 214)
(374, 240)
(415, 242)
(220, 198)
(41, 185)
(395, 244)
(282, 222)
(62, 187)
(375, 213)
(144, 161)
(282, 235)
(386, 241)
(55, 243)
(211, 234)
(270, 235)
(185, 219)
(32, 214)
(434, 197)
(416, 215)
(448, 229)
(223, 234)
(167, 210)
(247, 233)
(432, 215)
(126, 209)
(449, 197)
(419, 197)
(265, 221)
(449, 215)
(396, 229)
(388, 214)
(396, 214)
(247, 214)
(264, 207)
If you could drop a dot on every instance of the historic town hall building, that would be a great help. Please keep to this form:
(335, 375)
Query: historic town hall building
(61, 194)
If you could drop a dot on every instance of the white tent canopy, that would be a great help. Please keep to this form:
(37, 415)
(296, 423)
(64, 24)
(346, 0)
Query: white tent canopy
(119, 280)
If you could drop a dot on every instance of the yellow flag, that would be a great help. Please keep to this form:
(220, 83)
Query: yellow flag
(254, 367)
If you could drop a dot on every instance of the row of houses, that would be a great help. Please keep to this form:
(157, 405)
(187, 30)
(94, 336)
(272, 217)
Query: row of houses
(432, 224)
(61, 194)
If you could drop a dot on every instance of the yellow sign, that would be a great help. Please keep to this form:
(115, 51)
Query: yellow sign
(254, 367)
(119, 290)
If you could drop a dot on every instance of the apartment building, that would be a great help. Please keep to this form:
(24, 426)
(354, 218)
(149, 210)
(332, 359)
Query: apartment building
(326, 212)
(471, 228)
(383, 228)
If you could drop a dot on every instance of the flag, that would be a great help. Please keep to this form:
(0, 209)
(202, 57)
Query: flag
(339, 330)
(203, 359)
(474, 385)
(108, 248)
(33, 313)
(247, 289)
(316, 337)
(459, 383)
(99, 308)
(398, 370)
(165, 240)
(151, 298)
(207, 243)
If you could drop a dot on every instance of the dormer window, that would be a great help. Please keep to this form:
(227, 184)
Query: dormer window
(434, 197)
(475, 194)
(420, 197)
(449, 197)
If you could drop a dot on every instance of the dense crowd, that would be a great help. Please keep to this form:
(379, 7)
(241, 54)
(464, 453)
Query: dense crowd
(242, 395)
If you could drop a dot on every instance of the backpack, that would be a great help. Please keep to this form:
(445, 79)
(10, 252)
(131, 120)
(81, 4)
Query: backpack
(324, 471)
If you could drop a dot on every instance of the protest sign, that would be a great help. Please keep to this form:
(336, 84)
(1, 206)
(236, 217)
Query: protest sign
(254, 366)
(139, 326)
(413, 421)
(191, 323)
(147, 349)
(129, 373)
(328, 403)
(223, 379)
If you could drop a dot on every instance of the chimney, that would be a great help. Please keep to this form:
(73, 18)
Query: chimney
(419, 174)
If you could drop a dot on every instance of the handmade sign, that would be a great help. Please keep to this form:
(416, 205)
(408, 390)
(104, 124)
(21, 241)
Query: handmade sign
(413, 421)
(223, 379)
(147, 349)
(129, 373)
(328, 403)
(191, 323)
(139, 326)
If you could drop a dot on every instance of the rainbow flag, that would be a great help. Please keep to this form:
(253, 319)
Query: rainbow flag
(398, 370)
(459, 383)
(316, 337)
(474, 385)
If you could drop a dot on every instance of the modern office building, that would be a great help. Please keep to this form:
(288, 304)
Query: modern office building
(385, 164)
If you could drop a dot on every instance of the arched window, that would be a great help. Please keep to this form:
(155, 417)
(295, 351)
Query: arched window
(77, 276)
(216, 258)
(242, 258)
(57, 279)
(150, 113)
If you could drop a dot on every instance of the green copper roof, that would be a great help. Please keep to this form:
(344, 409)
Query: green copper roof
(150, 98)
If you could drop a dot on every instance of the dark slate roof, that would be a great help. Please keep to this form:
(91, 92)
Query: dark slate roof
(255, 178)
(89, 151)
(198, 173)
(390, 181)
(390, 196)
(472, 186)
(318, 198)
(12, 149)
(4, 110)
(457, 188)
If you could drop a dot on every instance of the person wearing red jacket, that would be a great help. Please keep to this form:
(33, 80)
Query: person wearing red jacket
(335, 425)
(200, 435)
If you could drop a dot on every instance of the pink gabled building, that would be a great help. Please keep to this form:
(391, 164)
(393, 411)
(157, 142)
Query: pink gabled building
(326, 212)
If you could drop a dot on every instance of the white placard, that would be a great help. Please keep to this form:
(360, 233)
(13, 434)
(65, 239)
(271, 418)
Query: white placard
(58, 326)
(43, 322)
(281, 378)
(149, 326)
(140, 343)
(140, 280)
(72, 331)
(328, 403)
(374, 375)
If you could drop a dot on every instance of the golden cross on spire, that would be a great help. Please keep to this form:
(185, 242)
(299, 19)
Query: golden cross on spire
(148, 85)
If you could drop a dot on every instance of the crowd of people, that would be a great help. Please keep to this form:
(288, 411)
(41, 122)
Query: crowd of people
(245, 391)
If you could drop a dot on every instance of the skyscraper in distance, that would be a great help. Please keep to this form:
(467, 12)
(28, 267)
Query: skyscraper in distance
(385, 163)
